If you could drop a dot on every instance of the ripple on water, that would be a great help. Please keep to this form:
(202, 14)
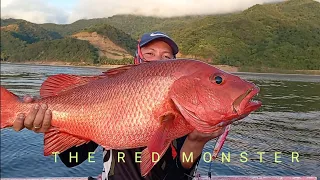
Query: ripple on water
(270, 132)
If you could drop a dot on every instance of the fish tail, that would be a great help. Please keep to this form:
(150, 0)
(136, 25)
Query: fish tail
(8, 101)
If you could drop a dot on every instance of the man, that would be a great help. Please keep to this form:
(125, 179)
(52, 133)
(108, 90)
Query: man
(152, 46)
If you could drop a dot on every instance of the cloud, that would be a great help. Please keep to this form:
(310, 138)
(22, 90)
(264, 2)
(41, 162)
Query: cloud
(40, 11)
(164, 8)
(37, 11)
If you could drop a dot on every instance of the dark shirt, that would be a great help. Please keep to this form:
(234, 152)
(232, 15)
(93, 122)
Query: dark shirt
(166, 168)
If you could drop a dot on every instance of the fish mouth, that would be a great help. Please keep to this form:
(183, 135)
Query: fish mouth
(245, 104)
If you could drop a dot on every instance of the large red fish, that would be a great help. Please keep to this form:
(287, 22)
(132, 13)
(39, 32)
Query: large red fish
(149, 104)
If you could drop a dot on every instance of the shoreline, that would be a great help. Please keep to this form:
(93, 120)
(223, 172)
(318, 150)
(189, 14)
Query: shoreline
(63, 64)
(227, 68)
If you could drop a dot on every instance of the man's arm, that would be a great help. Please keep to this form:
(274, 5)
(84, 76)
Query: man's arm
(184, 165)
(174, 169)
(82, 151)
(194, 145)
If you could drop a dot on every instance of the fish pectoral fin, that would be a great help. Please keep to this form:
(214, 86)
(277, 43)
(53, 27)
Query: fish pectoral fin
(57, 142)
(157, 145)
(149, 158)
(56, 84)
(157, 142)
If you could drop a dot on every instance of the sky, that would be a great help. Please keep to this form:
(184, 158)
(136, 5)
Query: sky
(68, 11)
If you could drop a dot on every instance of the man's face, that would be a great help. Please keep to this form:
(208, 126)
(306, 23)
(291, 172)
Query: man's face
(156, 50)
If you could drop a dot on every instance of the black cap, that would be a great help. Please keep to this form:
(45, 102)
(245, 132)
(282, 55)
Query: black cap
(148, 37)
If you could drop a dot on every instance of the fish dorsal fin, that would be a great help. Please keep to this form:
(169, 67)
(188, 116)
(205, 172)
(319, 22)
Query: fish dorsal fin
(119, 70)
(57, 84)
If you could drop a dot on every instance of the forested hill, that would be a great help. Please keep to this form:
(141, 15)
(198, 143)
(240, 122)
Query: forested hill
(27, 31)
(283, 35)
(24, 41)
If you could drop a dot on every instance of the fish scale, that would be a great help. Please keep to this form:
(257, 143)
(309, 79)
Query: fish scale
(120, 114)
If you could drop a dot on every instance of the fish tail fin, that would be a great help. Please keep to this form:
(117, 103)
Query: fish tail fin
(8, 100)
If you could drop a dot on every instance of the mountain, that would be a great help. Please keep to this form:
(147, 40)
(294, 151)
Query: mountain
(10, 45)
(69, 29)
(27, 31)
(114, 45)
(131, 24)
(25, 41)
(120, 38)
(283, 35)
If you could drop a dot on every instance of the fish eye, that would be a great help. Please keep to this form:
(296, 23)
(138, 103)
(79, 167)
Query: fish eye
(216, 79)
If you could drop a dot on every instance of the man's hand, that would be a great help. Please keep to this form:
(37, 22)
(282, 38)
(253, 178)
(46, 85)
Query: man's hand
(199, 137)
(195, 143)
(38, 119)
